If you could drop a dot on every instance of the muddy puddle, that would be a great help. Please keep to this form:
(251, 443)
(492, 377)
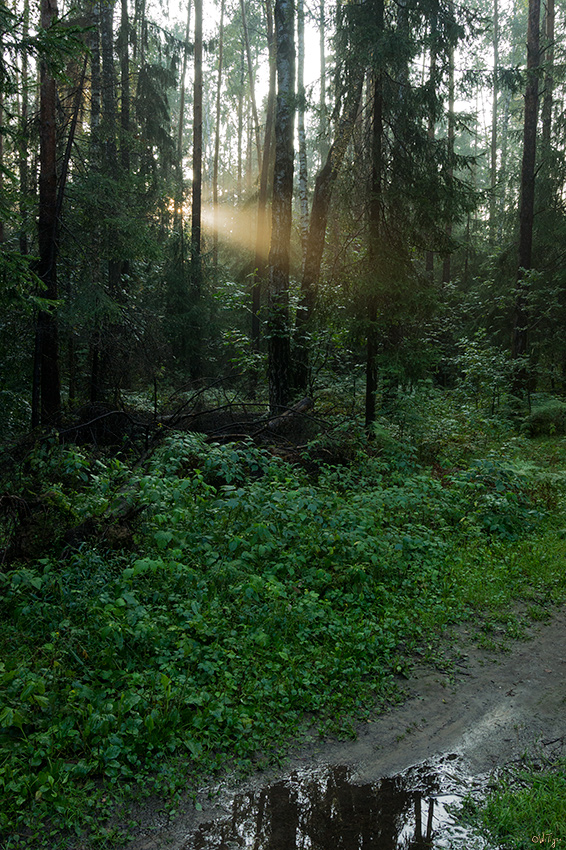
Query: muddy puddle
(326, 809)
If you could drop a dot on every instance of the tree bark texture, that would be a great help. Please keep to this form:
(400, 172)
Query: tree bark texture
(493, 151)
(123, 43)
(447, 262)
(47, 335)
(197, 150)
(262, 237)
(546, 112)
(302, 138)
(316, 237)
(527, 203)
(178, 219)
(217, 138)
(375, 236)
(323, 118)
(278, 309)
(108, 85)
(252, 83)
(196, 215)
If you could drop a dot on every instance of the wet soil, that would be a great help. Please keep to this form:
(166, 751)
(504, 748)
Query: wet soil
(475, 711)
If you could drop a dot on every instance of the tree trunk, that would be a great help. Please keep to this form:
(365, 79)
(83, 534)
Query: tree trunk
(374, 247)
(433, 82)
(47, 335)
(447, 262)
(322, 196)
(108, 85)
(217, 139)
(240, 127)
(123, 42)
(278, 312)
(526, 209)
(23, 142)
(262, 238)
(323, 117)
(1, 156)
(493, 164)
(179, 193)
(196, 259)
(303, 188)
(95, 81)
(252, 83)
(546, 112)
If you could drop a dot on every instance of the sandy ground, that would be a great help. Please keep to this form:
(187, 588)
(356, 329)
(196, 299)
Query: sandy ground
(489, 708)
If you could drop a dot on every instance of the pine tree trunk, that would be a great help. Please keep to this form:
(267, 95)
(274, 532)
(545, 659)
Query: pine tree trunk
(429, 256)
(322, 196)
(493, 151)
(48, 393)
(196, 259)
(179, 192)
(108, 124)
(323, 117)
(95, 81)
(1, 157)
(447, 262)
(240, 127)
(526, 210)
(374, 247)
(123, 43)
(547, 101)
(278, 311)
(262, 237)
(302, 138)
(23, 142)
(217, 139)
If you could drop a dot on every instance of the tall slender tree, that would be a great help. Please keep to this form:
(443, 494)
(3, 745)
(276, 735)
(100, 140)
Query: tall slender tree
(375, 224)
(46, 394)
(196, 209)
(217, 135)
(262, 234)
(279, 346)
(521, 317)
(301, 132)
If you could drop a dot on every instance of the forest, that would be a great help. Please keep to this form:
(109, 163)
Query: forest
(283, 363)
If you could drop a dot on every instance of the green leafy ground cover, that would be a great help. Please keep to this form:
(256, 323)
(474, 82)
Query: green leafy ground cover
(256, 600)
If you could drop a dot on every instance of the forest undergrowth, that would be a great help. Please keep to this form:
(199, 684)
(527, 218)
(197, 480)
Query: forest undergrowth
(248, 599)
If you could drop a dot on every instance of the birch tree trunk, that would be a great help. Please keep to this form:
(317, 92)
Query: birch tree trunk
(252, 83)
(278, 308)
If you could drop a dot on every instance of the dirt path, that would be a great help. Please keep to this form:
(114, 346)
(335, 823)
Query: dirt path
(487, 707)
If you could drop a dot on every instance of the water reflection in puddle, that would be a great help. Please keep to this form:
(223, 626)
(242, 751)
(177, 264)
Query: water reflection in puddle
(325, 809)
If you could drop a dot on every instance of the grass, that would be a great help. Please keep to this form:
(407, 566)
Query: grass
(526, 807)
(252, 602)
